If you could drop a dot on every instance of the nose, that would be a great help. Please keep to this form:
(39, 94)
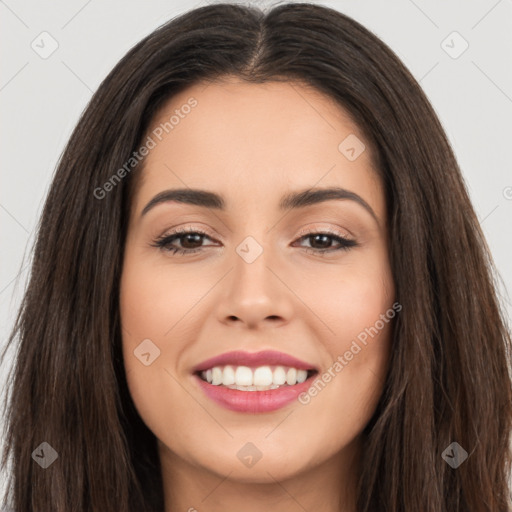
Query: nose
(255, 295)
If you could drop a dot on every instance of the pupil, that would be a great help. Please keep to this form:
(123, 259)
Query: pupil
(325, 238)
(190, 236)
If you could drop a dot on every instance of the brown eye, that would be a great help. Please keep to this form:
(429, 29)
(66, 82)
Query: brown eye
(322, 242)
(190, 241)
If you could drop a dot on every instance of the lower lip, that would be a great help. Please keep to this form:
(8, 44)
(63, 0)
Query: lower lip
(254, 401)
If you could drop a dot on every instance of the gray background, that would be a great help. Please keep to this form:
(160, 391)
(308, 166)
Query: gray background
(41, 99)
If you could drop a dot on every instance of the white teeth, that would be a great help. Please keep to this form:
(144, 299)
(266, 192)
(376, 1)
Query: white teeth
(262, 376)
(216, 376)
(264, 388)
(254, 379)
(228, 376)
(279, 376)
(291, 376)
(243, 376)
(253, 388)
(301, 375)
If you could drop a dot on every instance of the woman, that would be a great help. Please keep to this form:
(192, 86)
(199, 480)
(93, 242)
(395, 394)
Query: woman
(259, 282)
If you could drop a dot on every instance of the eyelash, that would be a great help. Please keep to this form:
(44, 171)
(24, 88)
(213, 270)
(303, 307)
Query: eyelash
(164, 242)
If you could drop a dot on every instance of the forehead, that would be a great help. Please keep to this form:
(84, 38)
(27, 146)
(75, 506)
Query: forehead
(252, 142)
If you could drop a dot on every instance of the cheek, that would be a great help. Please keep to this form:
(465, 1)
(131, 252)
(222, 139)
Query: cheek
(145, 315)
(156, 305)
(146, 309)
(356, 307)
(152, 299)
(351, 299)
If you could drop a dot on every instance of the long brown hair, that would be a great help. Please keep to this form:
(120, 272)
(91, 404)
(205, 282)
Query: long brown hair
(448, 380)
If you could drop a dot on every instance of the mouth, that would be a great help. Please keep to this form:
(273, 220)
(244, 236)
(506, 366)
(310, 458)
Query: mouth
(250, 382)
(254, 382)
(261, 378)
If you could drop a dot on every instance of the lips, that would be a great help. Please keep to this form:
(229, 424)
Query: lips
(253, 401)
(254, 398)
(253, 360)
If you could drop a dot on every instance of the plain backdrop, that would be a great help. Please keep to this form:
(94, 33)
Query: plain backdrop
(42, 96)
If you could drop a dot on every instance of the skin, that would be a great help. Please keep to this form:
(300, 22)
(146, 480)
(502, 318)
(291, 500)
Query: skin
(253, 143)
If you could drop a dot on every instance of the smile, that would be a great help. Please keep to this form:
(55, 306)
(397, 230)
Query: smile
(261, 378)
(254, 382)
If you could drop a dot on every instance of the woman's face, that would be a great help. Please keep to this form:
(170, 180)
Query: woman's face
(255, 281)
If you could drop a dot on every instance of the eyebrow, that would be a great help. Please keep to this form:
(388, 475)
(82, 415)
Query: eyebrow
(292, 200)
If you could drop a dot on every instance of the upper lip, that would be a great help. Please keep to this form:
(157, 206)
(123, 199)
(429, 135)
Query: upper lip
(254, 359)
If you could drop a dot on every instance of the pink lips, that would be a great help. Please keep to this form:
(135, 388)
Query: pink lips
(253, 360)
(253, 401)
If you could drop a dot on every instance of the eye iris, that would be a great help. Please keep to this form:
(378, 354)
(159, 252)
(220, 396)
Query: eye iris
(325, 243)
(191, 237)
